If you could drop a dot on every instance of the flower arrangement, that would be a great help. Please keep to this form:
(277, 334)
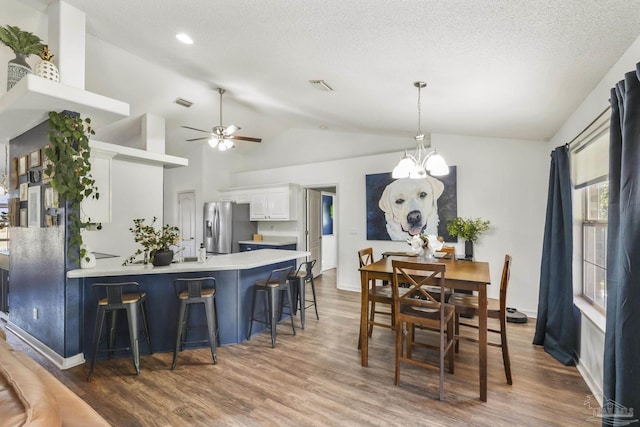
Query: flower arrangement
(423, 244)
(151, 238)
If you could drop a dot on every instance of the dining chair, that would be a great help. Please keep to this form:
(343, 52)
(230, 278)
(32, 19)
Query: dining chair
(449, 252)
(380, 294)
(417, 307)
(466, 304)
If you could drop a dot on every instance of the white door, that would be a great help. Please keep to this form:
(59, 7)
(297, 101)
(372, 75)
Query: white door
(314, 228)
(187, 221)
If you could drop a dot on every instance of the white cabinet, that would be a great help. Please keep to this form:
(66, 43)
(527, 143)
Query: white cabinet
(235, 195)
(274, 204)
(99, 210)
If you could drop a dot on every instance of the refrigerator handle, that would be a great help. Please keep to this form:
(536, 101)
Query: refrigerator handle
(216, 224)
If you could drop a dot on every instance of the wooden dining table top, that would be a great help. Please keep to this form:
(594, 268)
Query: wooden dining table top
(457, 270)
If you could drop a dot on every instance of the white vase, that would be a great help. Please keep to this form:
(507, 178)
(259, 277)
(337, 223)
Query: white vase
(48, 70)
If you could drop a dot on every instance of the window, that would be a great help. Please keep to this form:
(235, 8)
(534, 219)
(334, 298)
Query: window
(594, 244)
(589, 173)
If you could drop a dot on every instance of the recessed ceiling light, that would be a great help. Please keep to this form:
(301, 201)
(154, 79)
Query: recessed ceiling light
(184, 38)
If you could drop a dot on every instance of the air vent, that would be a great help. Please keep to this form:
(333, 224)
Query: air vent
(321, 85)
(183, 102)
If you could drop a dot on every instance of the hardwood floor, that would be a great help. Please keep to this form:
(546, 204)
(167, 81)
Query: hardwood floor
(315, 379)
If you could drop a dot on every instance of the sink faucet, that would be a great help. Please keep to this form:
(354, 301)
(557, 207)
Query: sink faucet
(180, 249)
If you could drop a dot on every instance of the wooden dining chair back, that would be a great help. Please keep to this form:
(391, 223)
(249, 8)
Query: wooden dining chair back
(379, 293)
(496, 309)
(449, 252)
(415, 306)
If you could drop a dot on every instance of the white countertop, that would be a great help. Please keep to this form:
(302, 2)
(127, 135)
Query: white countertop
(235, 261)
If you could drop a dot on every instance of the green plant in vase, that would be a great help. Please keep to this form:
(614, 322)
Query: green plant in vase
(23, 44)
(68, 153)
(469, 229)
(153, 240)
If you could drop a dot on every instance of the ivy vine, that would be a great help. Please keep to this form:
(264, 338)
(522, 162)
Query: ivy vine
(70, 171)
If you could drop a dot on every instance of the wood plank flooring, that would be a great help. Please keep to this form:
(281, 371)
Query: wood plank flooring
(315, 379)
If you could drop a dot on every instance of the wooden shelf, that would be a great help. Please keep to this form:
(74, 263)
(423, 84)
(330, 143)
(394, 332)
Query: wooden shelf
(27, 103)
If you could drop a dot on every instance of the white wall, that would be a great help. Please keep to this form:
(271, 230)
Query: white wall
(136, 193)
(502, 180)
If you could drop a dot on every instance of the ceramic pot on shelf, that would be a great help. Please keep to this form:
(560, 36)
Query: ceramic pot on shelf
(46, 68)
(17, 68)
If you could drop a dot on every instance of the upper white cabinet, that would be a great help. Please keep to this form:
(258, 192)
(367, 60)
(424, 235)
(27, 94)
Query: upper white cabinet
(235, 195)
(99, 210)
(277, 203)
(266, 202)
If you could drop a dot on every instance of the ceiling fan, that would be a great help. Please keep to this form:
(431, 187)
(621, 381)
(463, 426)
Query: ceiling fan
(222, 136)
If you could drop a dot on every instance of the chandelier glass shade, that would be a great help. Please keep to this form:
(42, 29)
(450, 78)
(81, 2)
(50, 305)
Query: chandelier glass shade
(423, 162)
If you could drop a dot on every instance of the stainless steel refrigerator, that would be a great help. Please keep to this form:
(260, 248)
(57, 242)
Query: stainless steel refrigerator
(225, 223)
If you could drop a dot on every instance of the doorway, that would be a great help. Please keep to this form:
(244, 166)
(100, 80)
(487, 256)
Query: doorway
(321, 227)
(187, 221)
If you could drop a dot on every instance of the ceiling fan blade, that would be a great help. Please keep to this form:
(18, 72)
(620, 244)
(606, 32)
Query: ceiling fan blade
(230, 129)
(199, 130)
(245, 138)
(198, 139)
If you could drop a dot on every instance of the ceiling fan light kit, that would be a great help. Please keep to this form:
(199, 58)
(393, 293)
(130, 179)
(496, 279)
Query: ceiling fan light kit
(221, 137)
(423, 162)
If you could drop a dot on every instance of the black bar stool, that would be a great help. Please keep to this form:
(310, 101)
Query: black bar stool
(113, 297)
(201, 290)
(302, 276)
(275, 285)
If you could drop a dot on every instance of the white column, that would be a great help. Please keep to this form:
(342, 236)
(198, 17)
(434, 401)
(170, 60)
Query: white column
(67, 32)
(153, 133)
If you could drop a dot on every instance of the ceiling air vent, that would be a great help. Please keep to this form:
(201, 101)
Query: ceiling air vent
(183, 102)
(321, 85)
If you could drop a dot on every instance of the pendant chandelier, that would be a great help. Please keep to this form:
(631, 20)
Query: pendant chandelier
(423, 162)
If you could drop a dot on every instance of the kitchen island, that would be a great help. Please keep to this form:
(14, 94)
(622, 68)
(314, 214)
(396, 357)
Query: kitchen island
(234, 273)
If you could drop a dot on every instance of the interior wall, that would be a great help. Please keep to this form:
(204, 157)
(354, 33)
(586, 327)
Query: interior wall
(136, 193)
(504, 181)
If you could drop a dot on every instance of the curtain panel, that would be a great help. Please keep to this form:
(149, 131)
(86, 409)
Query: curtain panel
(621, 382)
(555, 327)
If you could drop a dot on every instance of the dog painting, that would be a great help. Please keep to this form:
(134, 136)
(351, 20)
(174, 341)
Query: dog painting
(402, 208)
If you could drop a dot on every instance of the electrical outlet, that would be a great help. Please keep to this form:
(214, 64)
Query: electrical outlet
(35, 313)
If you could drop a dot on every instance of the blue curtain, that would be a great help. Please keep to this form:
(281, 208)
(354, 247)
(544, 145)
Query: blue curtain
(555, 328)
(621, 382)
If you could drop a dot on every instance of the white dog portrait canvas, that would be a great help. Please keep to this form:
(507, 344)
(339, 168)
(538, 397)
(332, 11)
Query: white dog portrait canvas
(401, 208)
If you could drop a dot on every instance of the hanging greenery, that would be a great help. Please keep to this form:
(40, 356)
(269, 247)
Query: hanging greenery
(70, 171)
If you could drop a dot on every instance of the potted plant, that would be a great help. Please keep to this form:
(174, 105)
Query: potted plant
(70, 171)
(154, 241)
(469, 229)
(23, 44)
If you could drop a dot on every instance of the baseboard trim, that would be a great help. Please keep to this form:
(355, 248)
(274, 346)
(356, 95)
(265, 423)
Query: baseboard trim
(59, 361)
(596, 391)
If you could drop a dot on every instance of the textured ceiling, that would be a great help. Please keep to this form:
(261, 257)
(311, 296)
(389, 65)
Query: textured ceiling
(502, 68)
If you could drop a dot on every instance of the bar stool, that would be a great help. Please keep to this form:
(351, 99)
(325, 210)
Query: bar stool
(303, 275)
(273, 287)
(113, 297)
(201, 290)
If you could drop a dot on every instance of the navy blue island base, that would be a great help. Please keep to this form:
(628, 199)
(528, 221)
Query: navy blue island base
(233, 302)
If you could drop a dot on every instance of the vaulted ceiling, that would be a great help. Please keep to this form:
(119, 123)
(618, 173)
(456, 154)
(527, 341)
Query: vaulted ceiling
(501, 68)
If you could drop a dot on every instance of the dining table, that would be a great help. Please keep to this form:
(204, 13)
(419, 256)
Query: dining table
(459, 274)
